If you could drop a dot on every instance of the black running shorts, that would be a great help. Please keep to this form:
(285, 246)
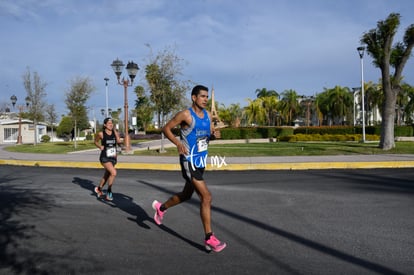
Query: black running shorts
(105, 159)
(189, 171)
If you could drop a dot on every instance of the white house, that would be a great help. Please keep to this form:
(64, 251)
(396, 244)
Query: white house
(9, 130)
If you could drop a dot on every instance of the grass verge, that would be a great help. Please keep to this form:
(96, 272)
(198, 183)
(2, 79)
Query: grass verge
(239, 149)
(293, 149)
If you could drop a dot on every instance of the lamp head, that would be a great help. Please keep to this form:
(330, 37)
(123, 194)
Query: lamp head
(27, 99)
(117, 66)
(13, 99)
(361, 50)
(132, 69)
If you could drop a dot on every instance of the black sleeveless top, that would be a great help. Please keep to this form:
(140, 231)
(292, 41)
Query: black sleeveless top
(109, 144)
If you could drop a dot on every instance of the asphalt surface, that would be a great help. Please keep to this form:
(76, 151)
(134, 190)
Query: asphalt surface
(340, 221)
(279, 215)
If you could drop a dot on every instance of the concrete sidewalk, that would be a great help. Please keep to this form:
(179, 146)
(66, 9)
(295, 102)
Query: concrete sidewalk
(89, 159)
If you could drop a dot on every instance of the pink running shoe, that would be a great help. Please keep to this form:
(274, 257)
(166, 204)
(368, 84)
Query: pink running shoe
(98, 192)
(214, 244)
(159, 215)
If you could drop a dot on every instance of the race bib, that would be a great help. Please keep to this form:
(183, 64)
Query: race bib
(202, 144)
(111, 152)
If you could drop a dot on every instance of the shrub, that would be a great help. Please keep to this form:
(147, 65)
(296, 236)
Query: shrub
(403, 131)
(255, 132)
(326, 137)
(45, 138)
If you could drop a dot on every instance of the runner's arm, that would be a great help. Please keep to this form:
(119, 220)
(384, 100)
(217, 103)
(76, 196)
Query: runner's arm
(98, 138)
(179, 119)
(118, 138)
(212, 130)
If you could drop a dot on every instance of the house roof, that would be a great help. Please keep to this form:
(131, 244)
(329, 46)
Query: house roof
(16, 121)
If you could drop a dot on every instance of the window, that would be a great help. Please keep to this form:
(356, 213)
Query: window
(10, 134)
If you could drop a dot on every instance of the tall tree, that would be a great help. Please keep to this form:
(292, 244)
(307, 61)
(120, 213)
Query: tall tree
(51, 117)
(143, 108)
(76, 97)
(65, 127)
(340, 103)
(289, 106)
(167, 90)
(36, 94)
(322, 107)
(372, 97)
(409, 107)
(265, 92)
(254, 112)
(380, 47)
(230, 115)
(269, 104)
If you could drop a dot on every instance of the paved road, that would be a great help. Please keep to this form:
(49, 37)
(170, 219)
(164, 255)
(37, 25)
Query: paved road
(357, 221)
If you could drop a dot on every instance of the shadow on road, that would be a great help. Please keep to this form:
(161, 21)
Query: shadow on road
(290, 236)
(16, 257)
(190, 242)
(121, 201)
(126, 204)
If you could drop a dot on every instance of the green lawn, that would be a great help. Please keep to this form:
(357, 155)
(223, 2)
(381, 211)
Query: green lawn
(240, 149)
(294, 149)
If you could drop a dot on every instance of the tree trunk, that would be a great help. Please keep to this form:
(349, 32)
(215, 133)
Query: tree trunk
(388, 118)
(35, 132)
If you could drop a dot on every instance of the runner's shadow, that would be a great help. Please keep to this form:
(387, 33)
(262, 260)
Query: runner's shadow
(121, 201)
(127, 204)
(190, 242)
(85, 184)
(174, 233)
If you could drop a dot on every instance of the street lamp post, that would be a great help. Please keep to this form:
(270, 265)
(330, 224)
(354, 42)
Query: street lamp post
(361, 56)
(13, 99)
(132, 69)
(106, 95)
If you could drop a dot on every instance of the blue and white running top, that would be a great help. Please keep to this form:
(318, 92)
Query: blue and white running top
(195, 138)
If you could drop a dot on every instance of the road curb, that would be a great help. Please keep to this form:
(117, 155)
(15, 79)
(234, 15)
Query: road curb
(229, 167)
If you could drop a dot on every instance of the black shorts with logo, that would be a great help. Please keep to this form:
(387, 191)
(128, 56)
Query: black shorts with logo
(189, 171)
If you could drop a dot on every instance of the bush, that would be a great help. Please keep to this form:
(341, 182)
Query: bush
(403, 131)
(89, 136)
(327, 137)
(45, 138)
(255, 132)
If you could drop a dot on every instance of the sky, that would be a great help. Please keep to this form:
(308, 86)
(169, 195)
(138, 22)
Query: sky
(233, 46)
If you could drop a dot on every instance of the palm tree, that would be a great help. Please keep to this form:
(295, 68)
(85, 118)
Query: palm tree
(370, 107)
(230, 115)
(321, 106)
(340, 103)
(409, 108)
(269, 100)
(402, 102)
(264, 92)
(255, 112)
(289, 106)
(307, 103)
(269, 104)
(375, 98)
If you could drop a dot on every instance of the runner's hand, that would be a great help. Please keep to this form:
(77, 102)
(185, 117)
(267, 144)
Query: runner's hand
(181, 149)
